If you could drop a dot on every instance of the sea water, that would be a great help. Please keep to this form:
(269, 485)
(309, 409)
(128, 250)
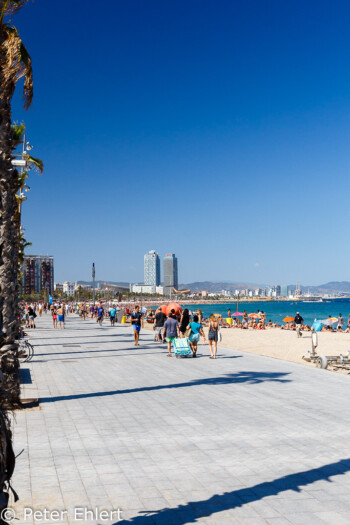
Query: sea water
(276, 311)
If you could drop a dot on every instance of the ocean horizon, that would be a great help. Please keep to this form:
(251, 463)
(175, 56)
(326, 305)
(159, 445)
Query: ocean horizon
(276, 311)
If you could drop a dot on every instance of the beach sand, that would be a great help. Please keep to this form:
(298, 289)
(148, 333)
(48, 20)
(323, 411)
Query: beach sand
(280, 344)
(284, 344)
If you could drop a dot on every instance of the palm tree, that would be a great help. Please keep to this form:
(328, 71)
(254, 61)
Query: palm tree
(15, 63)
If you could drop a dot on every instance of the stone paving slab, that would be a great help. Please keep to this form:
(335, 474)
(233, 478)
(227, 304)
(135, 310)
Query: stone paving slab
(244, 439)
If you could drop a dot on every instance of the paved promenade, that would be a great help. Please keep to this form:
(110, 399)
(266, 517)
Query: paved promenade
(241, 440)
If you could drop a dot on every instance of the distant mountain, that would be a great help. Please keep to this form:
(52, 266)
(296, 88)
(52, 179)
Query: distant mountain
(214, 286)
(333, 287)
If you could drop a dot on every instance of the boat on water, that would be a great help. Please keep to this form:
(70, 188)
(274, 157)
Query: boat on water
(313, 300)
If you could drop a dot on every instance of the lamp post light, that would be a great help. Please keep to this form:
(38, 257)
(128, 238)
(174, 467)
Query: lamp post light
(93, 283)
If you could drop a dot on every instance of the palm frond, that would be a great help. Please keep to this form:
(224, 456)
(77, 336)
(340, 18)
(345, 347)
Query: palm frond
(35, 163)
(11, 6)
(16, 63)
(17, 133)
(27, 74)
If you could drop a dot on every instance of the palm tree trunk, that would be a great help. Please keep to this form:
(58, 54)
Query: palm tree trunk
(8, 253)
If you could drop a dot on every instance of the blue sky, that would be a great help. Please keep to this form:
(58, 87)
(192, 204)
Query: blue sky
(219, 131)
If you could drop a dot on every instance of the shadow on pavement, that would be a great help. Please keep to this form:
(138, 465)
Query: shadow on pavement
(84, 343)
(252, 378)
(89, 356)
(194, 510)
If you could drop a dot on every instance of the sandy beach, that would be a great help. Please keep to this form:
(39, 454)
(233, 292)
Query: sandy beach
(281, 344)
(284, 344)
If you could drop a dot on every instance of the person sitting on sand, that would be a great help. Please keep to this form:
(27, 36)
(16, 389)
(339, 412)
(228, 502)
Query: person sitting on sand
(269, 324)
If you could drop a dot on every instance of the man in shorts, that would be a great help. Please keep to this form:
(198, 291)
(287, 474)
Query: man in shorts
(171, 331)
(112, 314)
(137, 323)
(159, 321)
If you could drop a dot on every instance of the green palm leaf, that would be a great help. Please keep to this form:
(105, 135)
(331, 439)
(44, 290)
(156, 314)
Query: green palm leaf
(35, 163)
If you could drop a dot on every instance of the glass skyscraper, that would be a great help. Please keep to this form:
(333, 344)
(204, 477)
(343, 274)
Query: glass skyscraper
(170, 273)
(152, 268)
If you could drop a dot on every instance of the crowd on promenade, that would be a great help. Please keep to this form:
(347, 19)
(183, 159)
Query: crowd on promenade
(183, 324)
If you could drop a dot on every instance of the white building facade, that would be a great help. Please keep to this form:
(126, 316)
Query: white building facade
(152, 268)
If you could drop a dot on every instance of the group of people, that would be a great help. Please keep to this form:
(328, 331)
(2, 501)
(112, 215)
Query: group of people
(58, 311)
(168, 327)
(185, 325)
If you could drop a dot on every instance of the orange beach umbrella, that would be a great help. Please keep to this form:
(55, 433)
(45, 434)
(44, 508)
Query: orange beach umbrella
(288, 319)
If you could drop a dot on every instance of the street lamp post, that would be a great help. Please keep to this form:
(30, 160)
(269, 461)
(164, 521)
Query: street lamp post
(93, 283)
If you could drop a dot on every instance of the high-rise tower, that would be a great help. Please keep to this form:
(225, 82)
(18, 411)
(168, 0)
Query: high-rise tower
(152, 268)
(170, 273)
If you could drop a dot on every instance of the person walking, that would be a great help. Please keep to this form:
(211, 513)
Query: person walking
(196, 332)
(112, 314)
(184, 322)
(54, 316)
(83, 311)
(298, 320)
(31, 317)
(200, 316)
(158, 325)
(170, 331)
(213, 336)
(137, 323)
(60, 313)
(100, 314)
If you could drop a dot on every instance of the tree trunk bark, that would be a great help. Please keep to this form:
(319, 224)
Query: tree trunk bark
(9, 364)
(8, 252)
